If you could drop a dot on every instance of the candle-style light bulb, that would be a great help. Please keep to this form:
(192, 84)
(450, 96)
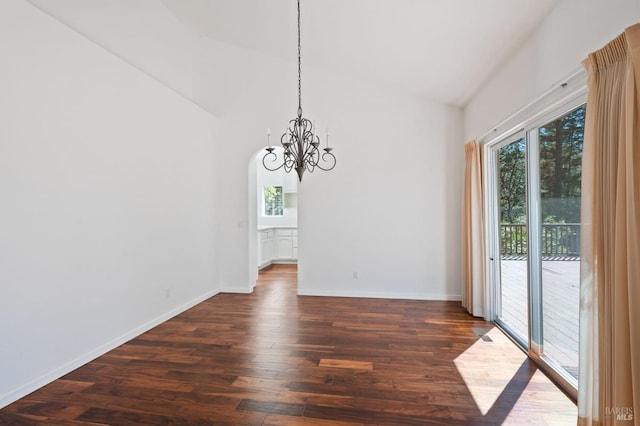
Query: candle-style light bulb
(269, 136)
(327, 137)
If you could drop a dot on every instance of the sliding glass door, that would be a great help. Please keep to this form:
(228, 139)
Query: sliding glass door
(558, 256)
(512, 215)
(535, 233)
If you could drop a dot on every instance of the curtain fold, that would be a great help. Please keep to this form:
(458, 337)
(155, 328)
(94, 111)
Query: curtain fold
(473, 232)
(609, 391)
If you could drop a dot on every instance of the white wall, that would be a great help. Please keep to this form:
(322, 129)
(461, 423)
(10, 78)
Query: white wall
(108, 189)
(411, 147)
(142, 32)
(390, 209)
(245, 90)
(572, 30)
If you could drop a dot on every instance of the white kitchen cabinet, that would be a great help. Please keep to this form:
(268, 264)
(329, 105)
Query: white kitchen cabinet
(266, 247)
(286, 244)
(277, 245)
(285, 248)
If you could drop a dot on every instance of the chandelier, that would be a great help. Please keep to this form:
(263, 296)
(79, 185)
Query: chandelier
(299, 141)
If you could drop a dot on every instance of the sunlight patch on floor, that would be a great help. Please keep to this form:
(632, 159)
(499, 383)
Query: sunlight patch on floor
(486, 384)
(497, 372)
(550, 411)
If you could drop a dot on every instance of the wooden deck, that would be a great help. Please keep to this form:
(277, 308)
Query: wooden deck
(561, 298)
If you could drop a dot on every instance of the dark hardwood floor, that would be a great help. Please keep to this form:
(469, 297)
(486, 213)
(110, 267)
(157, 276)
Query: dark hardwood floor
(274, 358)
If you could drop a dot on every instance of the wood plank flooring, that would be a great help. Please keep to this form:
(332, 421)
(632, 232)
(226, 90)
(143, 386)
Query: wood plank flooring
(274, 358)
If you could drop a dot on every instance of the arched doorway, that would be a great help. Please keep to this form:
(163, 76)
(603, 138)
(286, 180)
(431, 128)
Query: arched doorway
(273, 215)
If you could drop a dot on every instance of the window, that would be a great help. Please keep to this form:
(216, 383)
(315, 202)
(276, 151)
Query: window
(273, 205)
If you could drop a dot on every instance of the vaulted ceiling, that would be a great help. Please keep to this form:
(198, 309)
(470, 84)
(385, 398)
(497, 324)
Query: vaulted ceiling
(441, 49)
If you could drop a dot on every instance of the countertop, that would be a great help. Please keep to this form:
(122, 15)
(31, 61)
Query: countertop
(264, 228)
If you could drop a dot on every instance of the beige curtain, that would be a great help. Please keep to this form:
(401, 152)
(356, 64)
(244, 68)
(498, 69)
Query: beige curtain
(609, 391)
(472, 232)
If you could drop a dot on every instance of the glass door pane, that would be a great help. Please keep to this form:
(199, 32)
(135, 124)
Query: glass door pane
(560, 171)
(512, 311)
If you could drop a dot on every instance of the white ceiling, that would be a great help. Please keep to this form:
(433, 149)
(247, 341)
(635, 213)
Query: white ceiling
(441, 49)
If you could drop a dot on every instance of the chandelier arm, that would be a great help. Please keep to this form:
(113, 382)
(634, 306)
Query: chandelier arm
(295, 144)
(289, 138)
(315, 142)
(312, 163)
(292, 158)
(309, 138)
(275, 157)
(289, 164)
(333, 160)
(305, 151)
(302, 148)
(311, 154)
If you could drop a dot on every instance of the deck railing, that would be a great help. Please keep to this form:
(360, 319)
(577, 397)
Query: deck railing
(558, 240)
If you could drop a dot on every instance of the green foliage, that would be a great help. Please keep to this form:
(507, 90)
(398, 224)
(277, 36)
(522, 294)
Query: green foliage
(512, 175)
(513, 239)
(560, 165)
(273, 205)
(560, 168)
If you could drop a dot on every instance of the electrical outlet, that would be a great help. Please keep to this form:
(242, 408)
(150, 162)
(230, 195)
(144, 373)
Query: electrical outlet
(355, 275)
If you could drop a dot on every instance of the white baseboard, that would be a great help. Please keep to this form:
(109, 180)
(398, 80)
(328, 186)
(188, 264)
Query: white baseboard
(49, 377)
(382, 295)
(227, 289)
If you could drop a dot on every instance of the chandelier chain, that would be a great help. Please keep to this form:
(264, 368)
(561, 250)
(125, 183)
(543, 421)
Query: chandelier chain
(299, 67)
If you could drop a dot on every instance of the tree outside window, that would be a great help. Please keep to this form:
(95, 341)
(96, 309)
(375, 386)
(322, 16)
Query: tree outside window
(273, 204)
